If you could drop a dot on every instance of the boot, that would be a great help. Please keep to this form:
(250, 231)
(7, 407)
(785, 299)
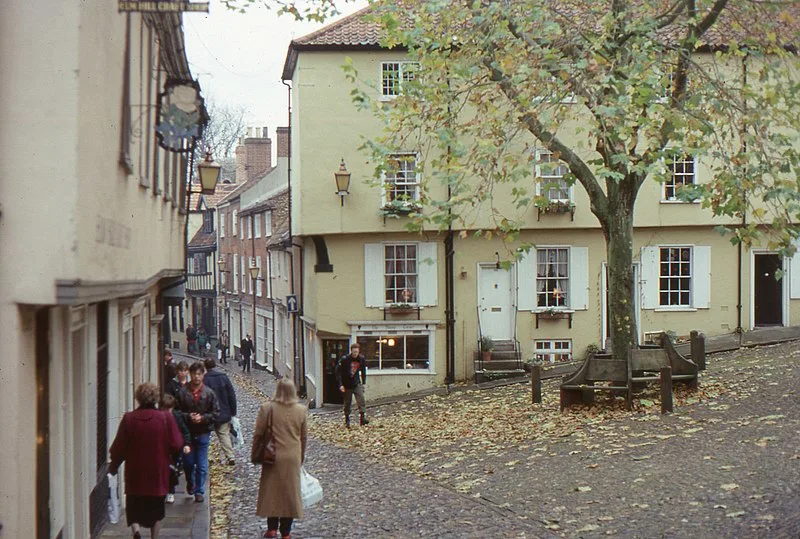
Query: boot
(347, 421)
(364, 420)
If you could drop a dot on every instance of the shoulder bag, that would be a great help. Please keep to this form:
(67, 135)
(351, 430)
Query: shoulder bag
(263, 451)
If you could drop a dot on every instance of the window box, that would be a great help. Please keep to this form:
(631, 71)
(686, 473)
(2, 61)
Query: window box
(557, 207)
(398, 208)
(554, 314)
(402, 309)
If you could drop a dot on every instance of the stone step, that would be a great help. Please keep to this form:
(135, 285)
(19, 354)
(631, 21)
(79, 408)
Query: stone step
(500, 365)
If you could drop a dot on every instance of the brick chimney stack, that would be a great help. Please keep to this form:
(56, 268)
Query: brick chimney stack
(253, 154)
(282, 134)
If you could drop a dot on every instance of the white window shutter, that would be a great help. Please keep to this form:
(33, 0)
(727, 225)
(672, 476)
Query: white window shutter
(701, 276)
(526, 281)
(428, 275)
(579, 278)
(374, 281)
(794, 283)
(650, 273)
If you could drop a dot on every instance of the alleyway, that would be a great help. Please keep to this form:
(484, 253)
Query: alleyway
(724, 465)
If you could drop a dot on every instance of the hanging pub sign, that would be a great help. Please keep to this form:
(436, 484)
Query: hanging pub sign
(181, 116)
(162, 6)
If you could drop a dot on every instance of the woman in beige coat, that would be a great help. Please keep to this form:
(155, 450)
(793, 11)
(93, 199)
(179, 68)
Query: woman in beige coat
(279, 491)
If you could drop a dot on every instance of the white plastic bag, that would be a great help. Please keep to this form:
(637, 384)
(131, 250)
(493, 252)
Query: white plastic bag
(113, 500)
(310, 488)
(237, 439)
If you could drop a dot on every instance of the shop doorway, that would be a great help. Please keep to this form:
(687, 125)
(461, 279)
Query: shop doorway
(332, 350)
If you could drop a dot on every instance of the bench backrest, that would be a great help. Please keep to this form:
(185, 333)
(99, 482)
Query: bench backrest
(613, 370)
(649, 359)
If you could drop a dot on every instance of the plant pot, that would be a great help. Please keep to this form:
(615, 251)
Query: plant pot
(486, 355)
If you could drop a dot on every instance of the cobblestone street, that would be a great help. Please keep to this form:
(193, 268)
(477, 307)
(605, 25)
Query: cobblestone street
(725, 464)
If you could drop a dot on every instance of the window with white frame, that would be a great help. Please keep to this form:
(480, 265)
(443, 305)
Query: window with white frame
(222, 277)
(550, 173)
(401, 181)
(257, 224)
(680, 172)
(258, 281)
(400, 273)
(268, 224)
(397, 350)
(552, 277)
(247, 221)
(553, 351)
(243, 274)
(221, 224)
(394, 75)
(235, 273)
(675, 276)
(269, 331)
(234, 223)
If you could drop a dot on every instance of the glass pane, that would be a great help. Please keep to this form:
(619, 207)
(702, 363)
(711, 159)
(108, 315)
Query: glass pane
(369, 347)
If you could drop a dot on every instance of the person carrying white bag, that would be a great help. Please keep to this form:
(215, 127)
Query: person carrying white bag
(310, 488)
(283, 423)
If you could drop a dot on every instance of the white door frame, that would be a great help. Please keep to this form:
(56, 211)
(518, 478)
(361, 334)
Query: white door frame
(637, 301)
(784, 286)
(511, 291)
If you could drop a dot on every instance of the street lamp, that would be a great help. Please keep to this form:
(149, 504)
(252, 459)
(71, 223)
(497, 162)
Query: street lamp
(342, 177)
(254, 271)
(208, 171)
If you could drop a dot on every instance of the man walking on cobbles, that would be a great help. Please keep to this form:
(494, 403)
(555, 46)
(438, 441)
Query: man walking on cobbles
(201, 406)
(351, 373)
(246, 348)
(221, 384)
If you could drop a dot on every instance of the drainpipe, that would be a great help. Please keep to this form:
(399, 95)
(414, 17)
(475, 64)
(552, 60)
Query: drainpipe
(299, 366)
(739, 329)
(449, 250)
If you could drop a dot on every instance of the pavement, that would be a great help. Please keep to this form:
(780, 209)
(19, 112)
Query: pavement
(396, 515)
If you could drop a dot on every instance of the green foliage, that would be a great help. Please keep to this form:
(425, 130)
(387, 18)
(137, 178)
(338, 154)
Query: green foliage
(487, 344)
(309, 10)
(498, 82)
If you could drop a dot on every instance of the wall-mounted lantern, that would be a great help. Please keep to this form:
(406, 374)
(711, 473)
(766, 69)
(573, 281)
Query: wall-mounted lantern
(342, 177)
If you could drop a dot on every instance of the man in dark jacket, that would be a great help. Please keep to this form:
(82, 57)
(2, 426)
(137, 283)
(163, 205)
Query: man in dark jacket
(223, 388)
(351, 373)
(201, 407)
(247, 350)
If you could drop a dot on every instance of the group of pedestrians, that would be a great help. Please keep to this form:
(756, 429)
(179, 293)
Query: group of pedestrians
(156, 443)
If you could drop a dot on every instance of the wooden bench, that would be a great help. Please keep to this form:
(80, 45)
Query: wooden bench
(648, 364)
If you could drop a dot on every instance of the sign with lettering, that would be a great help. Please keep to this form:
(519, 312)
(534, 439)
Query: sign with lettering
(162, 6)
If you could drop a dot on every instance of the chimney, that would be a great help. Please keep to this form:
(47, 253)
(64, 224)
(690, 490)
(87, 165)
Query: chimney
(257, 153)
(282, 134)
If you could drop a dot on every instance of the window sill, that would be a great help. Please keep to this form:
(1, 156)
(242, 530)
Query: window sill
(679, 309)
(676, 201)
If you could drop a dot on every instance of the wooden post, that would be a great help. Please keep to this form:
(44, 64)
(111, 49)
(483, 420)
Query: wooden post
(536, 384)
(698, 349)
(666, 389)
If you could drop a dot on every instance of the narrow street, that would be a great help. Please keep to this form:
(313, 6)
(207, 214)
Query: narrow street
(725, 464)
(363, 497)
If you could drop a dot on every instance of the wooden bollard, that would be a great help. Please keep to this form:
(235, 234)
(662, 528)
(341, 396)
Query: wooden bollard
(698, 349)
(536, 384)
(666, 389)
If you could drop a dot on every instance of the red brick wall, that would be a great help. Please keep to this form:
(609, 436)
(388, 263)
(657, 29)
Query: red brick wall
(283, 141)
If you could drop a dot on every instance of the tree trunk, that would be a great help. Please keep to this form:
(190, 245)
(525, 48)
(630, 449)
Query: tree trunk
(618, 230)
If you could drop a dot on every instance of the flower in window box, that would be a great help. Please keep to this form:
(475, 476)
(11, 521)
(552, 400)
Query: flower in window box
(559, 206)
(399, 207)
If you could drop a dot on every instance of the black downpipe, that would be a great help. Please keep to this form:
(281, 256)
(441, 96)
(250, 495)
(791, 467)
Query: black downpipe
(739, 329)
(299, 364)
(449, 251)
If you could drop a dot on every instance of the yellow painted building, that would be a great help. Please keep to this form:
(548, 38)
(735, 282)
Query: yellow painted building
(365, 279)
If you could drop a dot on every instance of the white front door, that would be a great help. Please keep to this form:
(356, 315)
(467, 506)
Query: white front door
(495, 305)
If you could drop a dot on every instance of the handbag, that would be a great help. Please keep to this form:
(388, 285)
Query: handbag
(263, 451)
(310, 488)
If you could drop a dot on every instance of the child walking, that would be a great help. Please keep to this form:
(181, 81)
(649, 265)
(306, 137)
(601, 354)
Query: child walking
(167, 404)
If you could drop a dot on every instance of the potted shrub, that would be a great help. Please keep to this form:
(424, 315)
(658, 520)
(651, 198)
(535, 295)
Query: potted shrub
(487, 345)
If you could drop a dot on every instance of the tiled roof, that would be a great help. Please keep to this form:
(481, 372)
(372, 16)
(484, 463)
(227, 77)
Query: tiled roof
(203, 240)
(222, 190)
(361, 30)
(354, 30)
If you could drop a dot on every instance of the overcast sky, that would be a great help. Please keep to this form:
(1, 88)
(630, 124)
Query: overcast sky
(238, 58)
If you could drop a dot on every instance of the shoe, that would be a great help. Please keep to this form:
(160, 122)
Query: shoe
(137, 535)
(231, 462)
(189, 490)
(198, 498)
(170, 498)
(271, 533)
(364, 420)
(287, 536)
